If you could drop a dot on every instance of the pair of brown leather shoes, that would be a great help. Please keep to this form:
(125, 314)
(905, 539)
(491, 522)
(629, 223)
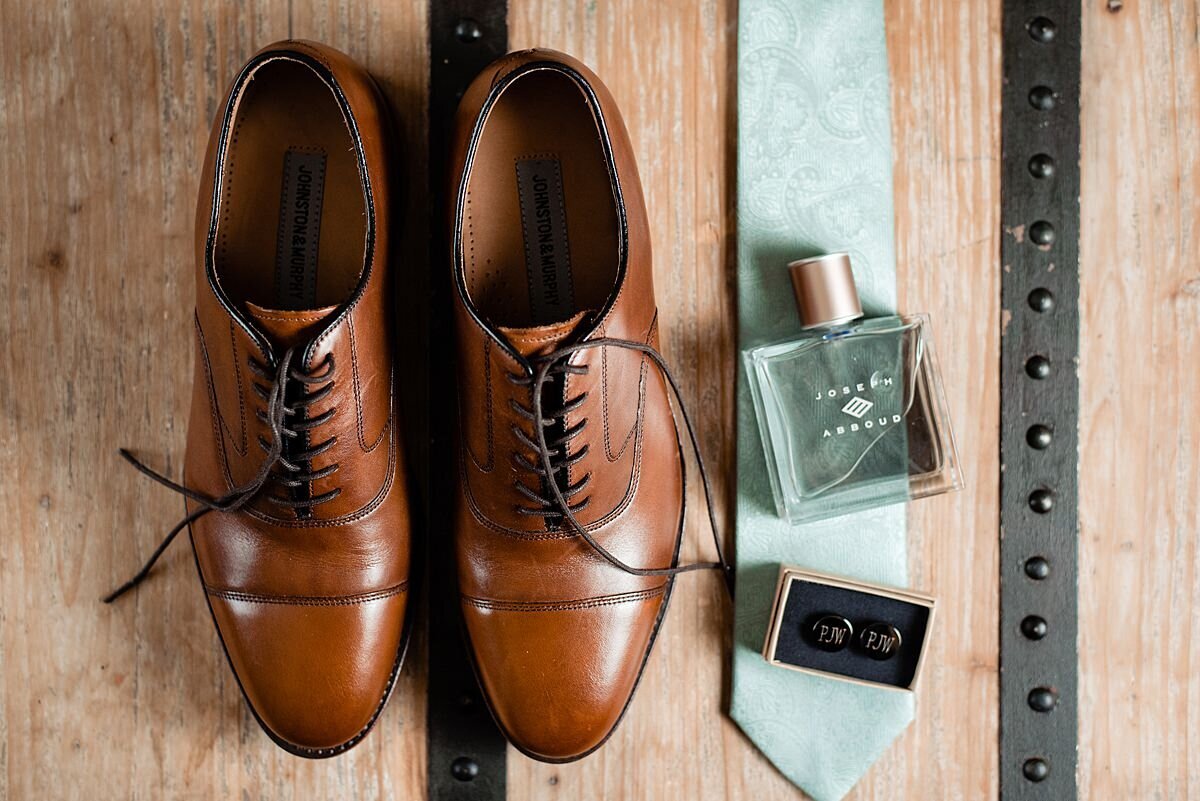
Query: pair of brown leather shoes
(570, 508)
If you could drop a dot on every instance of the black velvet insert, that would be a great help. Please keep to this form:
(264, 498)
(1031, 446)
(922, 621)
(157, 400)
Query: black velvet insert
(809, 599)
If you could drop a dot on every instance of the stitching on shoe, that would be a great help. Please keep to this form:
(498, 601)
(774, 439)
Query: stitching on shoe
(370, 507)
(547, 338)
(604, 404)
(218, 420)
(309, 600)
(634, 478)
(565, 606)
(490, 464)
(358, 404)
(524, 240)
(562, 534)
(303, 318)
(237, 373)
(310, 51)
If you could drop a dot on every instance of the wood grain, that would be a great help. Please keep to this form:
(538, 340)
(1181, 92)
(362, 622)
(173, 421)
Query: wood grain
(1139, 437)
(104, 112)
(105, 109)
(945, 61)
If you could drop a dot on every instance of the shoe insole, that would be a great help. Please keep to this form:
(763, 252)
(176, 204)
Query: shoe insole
(541, 237)
(291, 230)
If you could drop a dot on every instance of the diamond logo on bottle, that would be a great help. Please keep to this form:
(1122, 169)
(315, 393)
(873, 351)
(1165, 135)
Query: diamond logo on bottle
(857, 407)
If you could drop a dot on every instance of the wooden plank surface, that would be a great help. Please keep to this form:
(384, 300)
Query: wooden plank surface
(1139, 438)
(104, 111)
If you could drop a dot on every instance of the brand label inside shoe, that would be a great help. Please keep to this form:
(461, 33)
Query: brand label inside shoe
(544, 223)
(299, 229)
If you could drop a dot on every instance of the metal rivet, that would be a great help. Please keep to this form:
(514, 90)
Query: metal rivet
(1039, 437)
(1041, 166)
(1042, 233)
(1038, 367)
(1042, 699)
(1037, 568)
(468, 30)
(1042, 30)
(464, 769)
(1042, 98)
(1041, 500)
(1041, 300)
(1034, 627)
(1035, 769)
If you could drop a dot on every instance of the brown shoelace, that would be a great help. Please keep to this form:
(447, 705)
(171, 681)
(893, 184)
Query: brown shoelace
(293, 460)
(561, 457)
(275, 416)
(554, 454)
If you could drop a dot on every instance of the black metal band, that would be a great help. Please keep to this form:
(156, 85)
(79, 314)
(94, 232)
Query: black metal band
(1039, 401)
(466, 756)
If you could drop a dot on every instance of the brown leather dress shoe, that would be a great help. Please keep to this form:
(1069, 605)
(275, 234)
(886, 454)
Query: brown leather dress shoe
(298, 507)
(570, 507)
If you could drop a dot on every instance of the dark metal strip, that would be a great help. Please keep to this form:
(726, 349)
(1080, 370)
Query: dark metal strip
(466, 752)
(1039, 401)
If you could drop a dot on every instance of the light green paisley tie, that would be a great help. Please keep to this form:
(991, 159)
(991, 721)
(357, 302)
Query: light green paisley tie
(814, 176)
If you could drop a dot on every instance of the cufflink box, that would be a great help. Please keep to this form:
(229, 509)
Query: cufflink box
(847, 629)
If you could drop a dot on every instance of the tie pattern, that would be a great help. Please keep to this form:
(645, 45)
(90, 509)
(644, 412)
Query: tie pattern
(814, 176)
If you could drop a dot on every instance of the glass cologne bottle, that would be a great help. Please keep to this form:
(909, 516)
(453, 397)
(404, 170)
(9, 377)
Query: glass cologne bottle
(851, 411)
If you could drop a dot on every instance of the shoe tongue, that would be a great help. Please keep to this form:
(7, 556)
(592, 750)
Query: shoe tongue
(288, 329)
(542, 339)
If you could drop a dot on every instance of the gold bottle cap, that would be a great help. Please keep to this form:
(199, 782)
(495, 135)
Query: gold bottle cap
(825, 291)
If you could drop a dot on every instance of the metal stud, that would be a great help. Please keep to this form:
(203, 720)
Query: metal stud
(1041, 300)
(1038, 367)
(1038, 437)
(1042, 98)
(1042, 30)
(468, 30)
(1034, 627)
(1041, 166)
(1041, 500)
(1042, 233)
(1037, 568)
(1035, 769)
(1042, 699)
(464, 769)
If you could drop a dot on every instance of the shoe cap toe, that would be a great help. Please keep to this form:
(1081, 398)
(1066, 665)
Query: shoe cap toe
(315, 672)
(559, 676)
